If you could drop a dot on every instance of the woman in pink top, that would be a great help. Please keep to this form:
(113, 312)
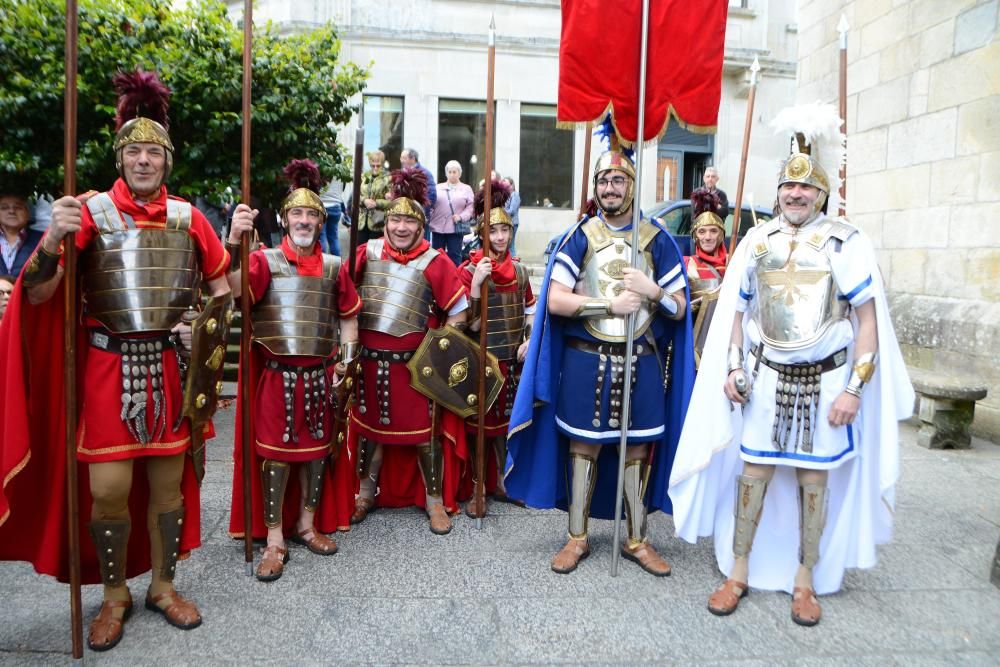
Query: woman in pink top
(453, 207)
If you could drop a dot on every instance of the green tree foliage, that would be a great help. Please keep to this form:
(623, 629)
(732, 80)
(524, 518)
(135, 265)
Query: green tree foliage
(300, 94)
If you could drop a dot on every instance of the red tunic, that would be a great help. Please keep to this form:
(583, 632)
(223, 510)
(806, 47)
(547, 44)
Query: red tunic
(400, 482)
(33, 427)
(336, 501)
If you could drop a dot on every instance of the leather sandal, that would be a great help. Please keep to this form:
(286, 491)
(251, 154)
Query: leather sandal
(106, 630)
(647, 558)
(272, 563)
(502, 497)
(180, 613)
(470, 508)
(439, 520)
(805, 607)
(319, 544)
(727, 597)
(570, 556)
(362, 507)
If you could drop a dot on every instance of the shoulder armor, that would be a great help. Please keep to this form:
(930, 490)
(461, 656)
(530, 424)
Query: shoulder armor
(597, 234)
(178, 215)
(373, 249)
(761, 238)
(331, 266)
(275, 260)
(647, 232)
(831, 228)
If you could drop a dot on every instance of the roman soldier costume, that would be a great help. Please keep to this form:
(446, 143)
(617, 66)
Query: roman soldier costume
(144, 400)
(300, 298)
(405, 447)
(509, 311)
(705, 269)
(816, 335)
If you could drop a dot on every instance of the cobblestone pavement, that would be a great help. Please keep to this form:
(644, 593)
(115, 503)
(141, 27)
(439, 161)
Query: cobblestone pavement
(396, 594)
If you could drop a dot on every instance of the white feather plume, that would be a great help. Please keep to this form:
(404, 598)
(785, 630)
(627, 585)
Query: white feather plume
(820, 124)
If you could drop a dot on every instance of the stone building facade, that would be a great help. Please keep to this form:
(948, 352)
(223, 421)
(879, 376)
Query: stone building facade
(923, 167)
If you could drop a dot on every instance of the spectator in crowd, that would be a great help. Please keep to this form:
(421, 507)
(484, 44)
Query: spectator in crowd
(333, 200)
(409, 159)
(452, 212)
(374, 199)
(17, 242)
(512, 207)
(6, 289)
(711, 179)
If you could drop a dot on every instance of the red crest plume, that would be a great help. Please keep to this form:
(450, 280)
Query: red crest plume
(410, 182)
(141, 94)
(703, 200)
(303, 174)
(499, 194)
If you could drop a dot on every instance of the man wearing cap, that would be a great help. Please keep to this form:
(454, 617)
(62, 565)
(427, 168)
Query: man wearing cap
(407, 288)
(803, 347)
(142, 257)
(567, 416)
(305, 331)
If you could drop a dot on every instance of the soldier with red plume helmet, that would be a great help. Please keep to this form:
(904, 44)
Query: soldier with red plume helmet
(145, 259)
(305, 333)
(511, 306)
(407, 288)
(706, 265)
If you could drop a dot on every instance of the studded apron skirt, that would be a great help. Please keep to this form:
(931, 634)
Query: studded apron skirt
(591, 390)
(292, 415)
(387, 409)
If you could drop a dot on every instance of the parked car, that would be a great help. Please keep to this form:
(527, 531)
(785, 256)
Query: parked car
(675, 216)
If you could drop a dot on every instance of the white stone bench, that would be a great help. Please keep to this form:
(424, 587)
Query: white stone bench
(946, 407)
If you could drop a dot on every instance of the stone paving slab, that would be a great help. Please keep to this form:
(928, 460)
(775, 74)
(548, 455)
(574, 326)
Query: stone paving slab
(396, 594)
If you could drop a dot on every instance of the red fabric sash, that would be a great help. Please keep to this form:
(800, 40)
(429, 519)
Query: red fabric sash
(503, 269)
(404, 256)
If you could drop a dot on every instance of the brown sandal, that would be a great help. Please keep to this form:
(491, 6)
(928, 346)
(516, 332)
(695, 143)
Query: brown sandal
(727, 597)
(272, 563)
(647, 558)
(319, 544)
(362, 508)
(440, 522)
(180, 613)
(570, 556)
(106, 630)
(805, 607)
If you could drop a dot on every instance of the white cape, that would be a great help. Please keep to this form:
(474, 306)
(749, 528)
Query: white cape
(862, 490)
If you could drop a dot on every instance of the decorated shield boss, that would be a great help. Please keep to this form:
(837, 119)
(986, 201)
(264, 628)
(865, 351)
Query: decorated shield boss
(445, 369)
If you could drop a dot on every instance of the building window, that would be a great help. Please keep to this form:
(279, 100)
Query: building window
(546, 167)
(462, 137)
(384, 127)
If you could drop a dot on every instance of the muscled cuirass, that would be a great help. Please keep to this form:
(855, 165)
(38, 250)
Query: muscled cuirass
(298, 314)
(608, 254)
(395, 298)
(797, 296)
(137, 280)
(505, 316)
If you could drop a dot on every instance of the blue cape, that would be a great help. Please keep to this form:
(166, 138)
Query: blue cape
(537, 452)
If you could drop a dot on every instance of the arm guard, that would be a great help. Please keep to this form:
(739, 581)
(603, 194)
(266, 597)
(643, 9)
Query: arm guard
(41, 267)
(234, 256)
(861, 374)
(594, 308)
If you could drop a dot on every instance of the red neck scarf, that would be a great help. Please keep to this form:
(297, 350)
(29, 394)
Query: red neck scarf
(403, 256)
(503, 267)
(154, 210)
(306, 264)
(716, 260)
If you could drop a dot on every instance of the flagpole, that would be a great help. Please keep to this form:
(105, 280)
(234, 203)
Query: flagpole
(842, 28)
(747, 125)
(630, 319)
(69, 338)
(245, 341)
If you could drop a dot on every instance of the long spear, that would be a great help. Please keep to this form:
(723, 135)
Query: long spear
(842, 28)
(69, 337)
(479, 498)
(588, 139)
(359, 148)
(245, 292)
(630, 319)
(754, 69)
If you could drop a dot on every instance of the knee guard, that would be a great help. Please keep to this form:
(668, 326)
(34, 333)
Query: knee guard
(110, 538)
(636, 478)
(314, 483)
(170, 524)
(812, 519)
(274, 478)
(584, 476)
(430, 457)
(749, 504)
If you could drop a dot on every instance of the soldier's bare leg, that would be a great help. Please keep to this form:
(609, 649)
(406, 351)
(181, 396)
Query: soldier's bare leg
(311, 475)
(368, 465)
(812, 517)
(165, 521)
(110, 525)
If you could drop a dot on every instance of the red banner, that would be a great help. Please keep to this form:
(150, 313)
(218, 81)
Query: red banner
(599, 63)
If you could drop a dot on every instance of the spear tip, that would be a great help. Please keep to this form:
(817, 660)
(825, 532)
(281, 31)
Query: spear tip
(754, 71)
(493, 31)
(842, 25)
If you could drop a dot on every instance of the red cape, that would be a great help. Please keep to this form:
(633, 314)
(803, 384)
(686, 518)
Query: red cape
(336, 501)
(33, 512)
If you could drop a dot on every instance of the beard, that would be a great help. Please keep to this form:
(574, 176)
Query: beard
(302, 241)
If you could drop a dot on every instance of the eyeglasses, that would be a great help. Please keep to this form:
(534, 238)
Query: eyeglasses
(616, 181)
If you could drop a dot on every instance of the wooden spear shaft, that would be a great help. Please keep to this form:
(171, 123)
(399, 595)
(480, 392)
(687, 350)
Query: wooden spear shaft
(69, 336)
(359, 148)
(245, 342)
(842, 28)
(588, 137)
(747, 125)
(484, 233)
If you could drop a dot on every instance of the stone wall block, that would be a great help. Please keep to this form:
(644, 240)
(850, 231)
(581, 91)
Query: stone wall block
(894, 189)
(965, 78)
(923, 139)
(944, 275)
(868, 10)
(983, 274)
(870, 224)
(927, 13)
(866, 151)
(954, 181)
(975, 27)
(883, 104)
(975, 226)
(989, 180)
(916, 228)
(979, 126)
(883, 31)
(899, 59)
(862, 74)
(936, 43)
(908, 276)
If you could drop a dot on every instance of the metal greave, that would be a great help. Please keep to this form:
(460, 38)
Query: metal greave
(583, 473)
(750, 493)
(431, 458)
(274, 479)
(111, 543)
(812, 519)
(314, 482)
(634, 490)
